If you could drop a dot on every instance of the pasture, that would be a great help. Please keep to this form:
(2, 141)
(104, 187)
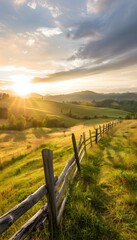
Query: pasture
(20, 151)
(67, 113)
(103, 200)
(21, 162)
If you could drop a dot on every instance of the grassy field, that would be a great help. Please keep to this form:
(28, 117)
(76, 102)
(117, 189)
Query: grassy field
(103, 200)
(21, 168)
(16, 143)
(40, 108)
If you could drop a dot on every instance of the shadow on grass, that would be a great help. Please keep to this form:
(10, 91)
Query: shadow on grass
(127, 175)
(116, 161)
(88, 203)
(16, 136)
(99, 210)
(12, 161)
(39, 132)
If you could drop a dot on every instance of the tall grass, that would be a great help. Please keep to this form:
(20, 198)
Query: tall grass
(103, 200)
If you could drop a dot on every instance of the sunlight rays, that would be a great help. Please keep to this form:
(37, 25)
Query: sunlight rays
(22, 85)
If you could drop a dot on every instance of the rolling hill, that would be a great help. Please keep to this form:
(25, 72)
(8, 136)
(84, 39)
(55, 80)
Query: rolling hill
(65, 114)
(92, 96)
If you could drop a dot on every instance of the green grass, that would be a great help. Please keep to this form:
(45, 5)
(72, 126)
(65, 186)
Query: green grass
(40, 108)
(16, 143)
(21, 171)
(103, 200)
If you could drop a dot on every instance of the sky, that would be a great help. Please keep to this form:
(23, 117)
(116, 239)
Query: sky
(59, 46)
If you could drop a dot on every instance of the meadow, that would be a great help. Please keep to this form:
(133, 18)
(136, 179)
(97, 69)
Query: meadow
(103, 200)
(105, 192)
(20, 151)
(67, 114)
(21, 163)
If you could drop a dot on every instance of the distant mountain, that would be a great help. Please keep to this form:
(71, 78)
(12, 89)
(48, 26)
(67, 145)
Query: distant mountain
(92, 96)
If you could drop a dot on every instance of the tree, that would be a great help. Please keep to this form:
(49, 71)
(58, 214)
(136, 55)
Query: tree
(20, 123)
(4, 113)
(12, 121)
(128, 116)
(17, 123)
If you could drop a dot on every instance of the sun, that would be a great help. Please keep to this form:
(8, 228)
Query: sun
(22, 85)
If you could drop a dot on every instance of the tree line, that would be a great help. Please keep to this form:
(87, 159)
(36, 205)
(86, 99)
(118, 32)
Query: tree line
(21, 122)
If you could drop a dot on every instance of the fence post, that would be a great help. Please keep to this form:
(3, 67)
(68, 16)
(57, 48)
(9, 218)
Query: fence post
(96, 136)
(47, 156)
(84, 140)
(100, 130)
(103, 129)
(90, 135)
(107, 126)
(75, 151)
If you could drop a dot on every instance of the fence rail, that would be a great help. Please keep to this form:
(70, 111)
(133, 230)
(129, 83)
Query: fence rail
(56, 188)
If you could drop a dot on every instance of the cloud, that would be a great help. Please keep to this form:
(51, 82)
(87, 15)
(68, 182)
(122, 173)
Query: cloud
(109, 41)
(111, 34)
(30, 42)
(95, 6)
(67, 13)
(49, 32)
(68, 39)
(125, 61)
(87, 30)
(53, 8)
(24, 18)
(32, 5)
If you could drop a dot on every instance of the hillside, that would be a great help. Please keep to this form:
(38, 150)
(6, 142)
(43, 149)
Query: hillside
(103, 199)
(92, 96)
(65, 114)
(102, 204)
(23, 168)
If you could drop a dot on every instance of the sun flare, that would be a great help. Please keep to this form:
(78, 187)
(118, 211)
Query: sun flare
(22, 85)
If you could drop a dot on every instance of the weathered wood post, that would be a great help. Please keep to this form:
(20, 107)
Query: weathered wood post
(107, 127)
(84, 140)
(110, 125)
(100, 130)
(75, 151)
(103, 129)
(49, 177)
(96, 136)
(90, 135)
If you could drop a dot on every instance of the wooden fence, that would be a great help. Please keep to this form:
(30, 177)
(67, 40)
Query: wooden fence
(56, 188)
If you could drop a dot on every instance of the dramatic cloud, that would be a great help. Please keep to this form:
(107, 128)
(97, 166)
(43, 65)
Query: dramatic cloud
(68, 39)
(125, 61)
(111, 40)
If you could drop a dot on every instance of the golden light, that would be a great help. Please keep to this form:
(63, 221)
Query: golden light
(22, 85)
(60, 87)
